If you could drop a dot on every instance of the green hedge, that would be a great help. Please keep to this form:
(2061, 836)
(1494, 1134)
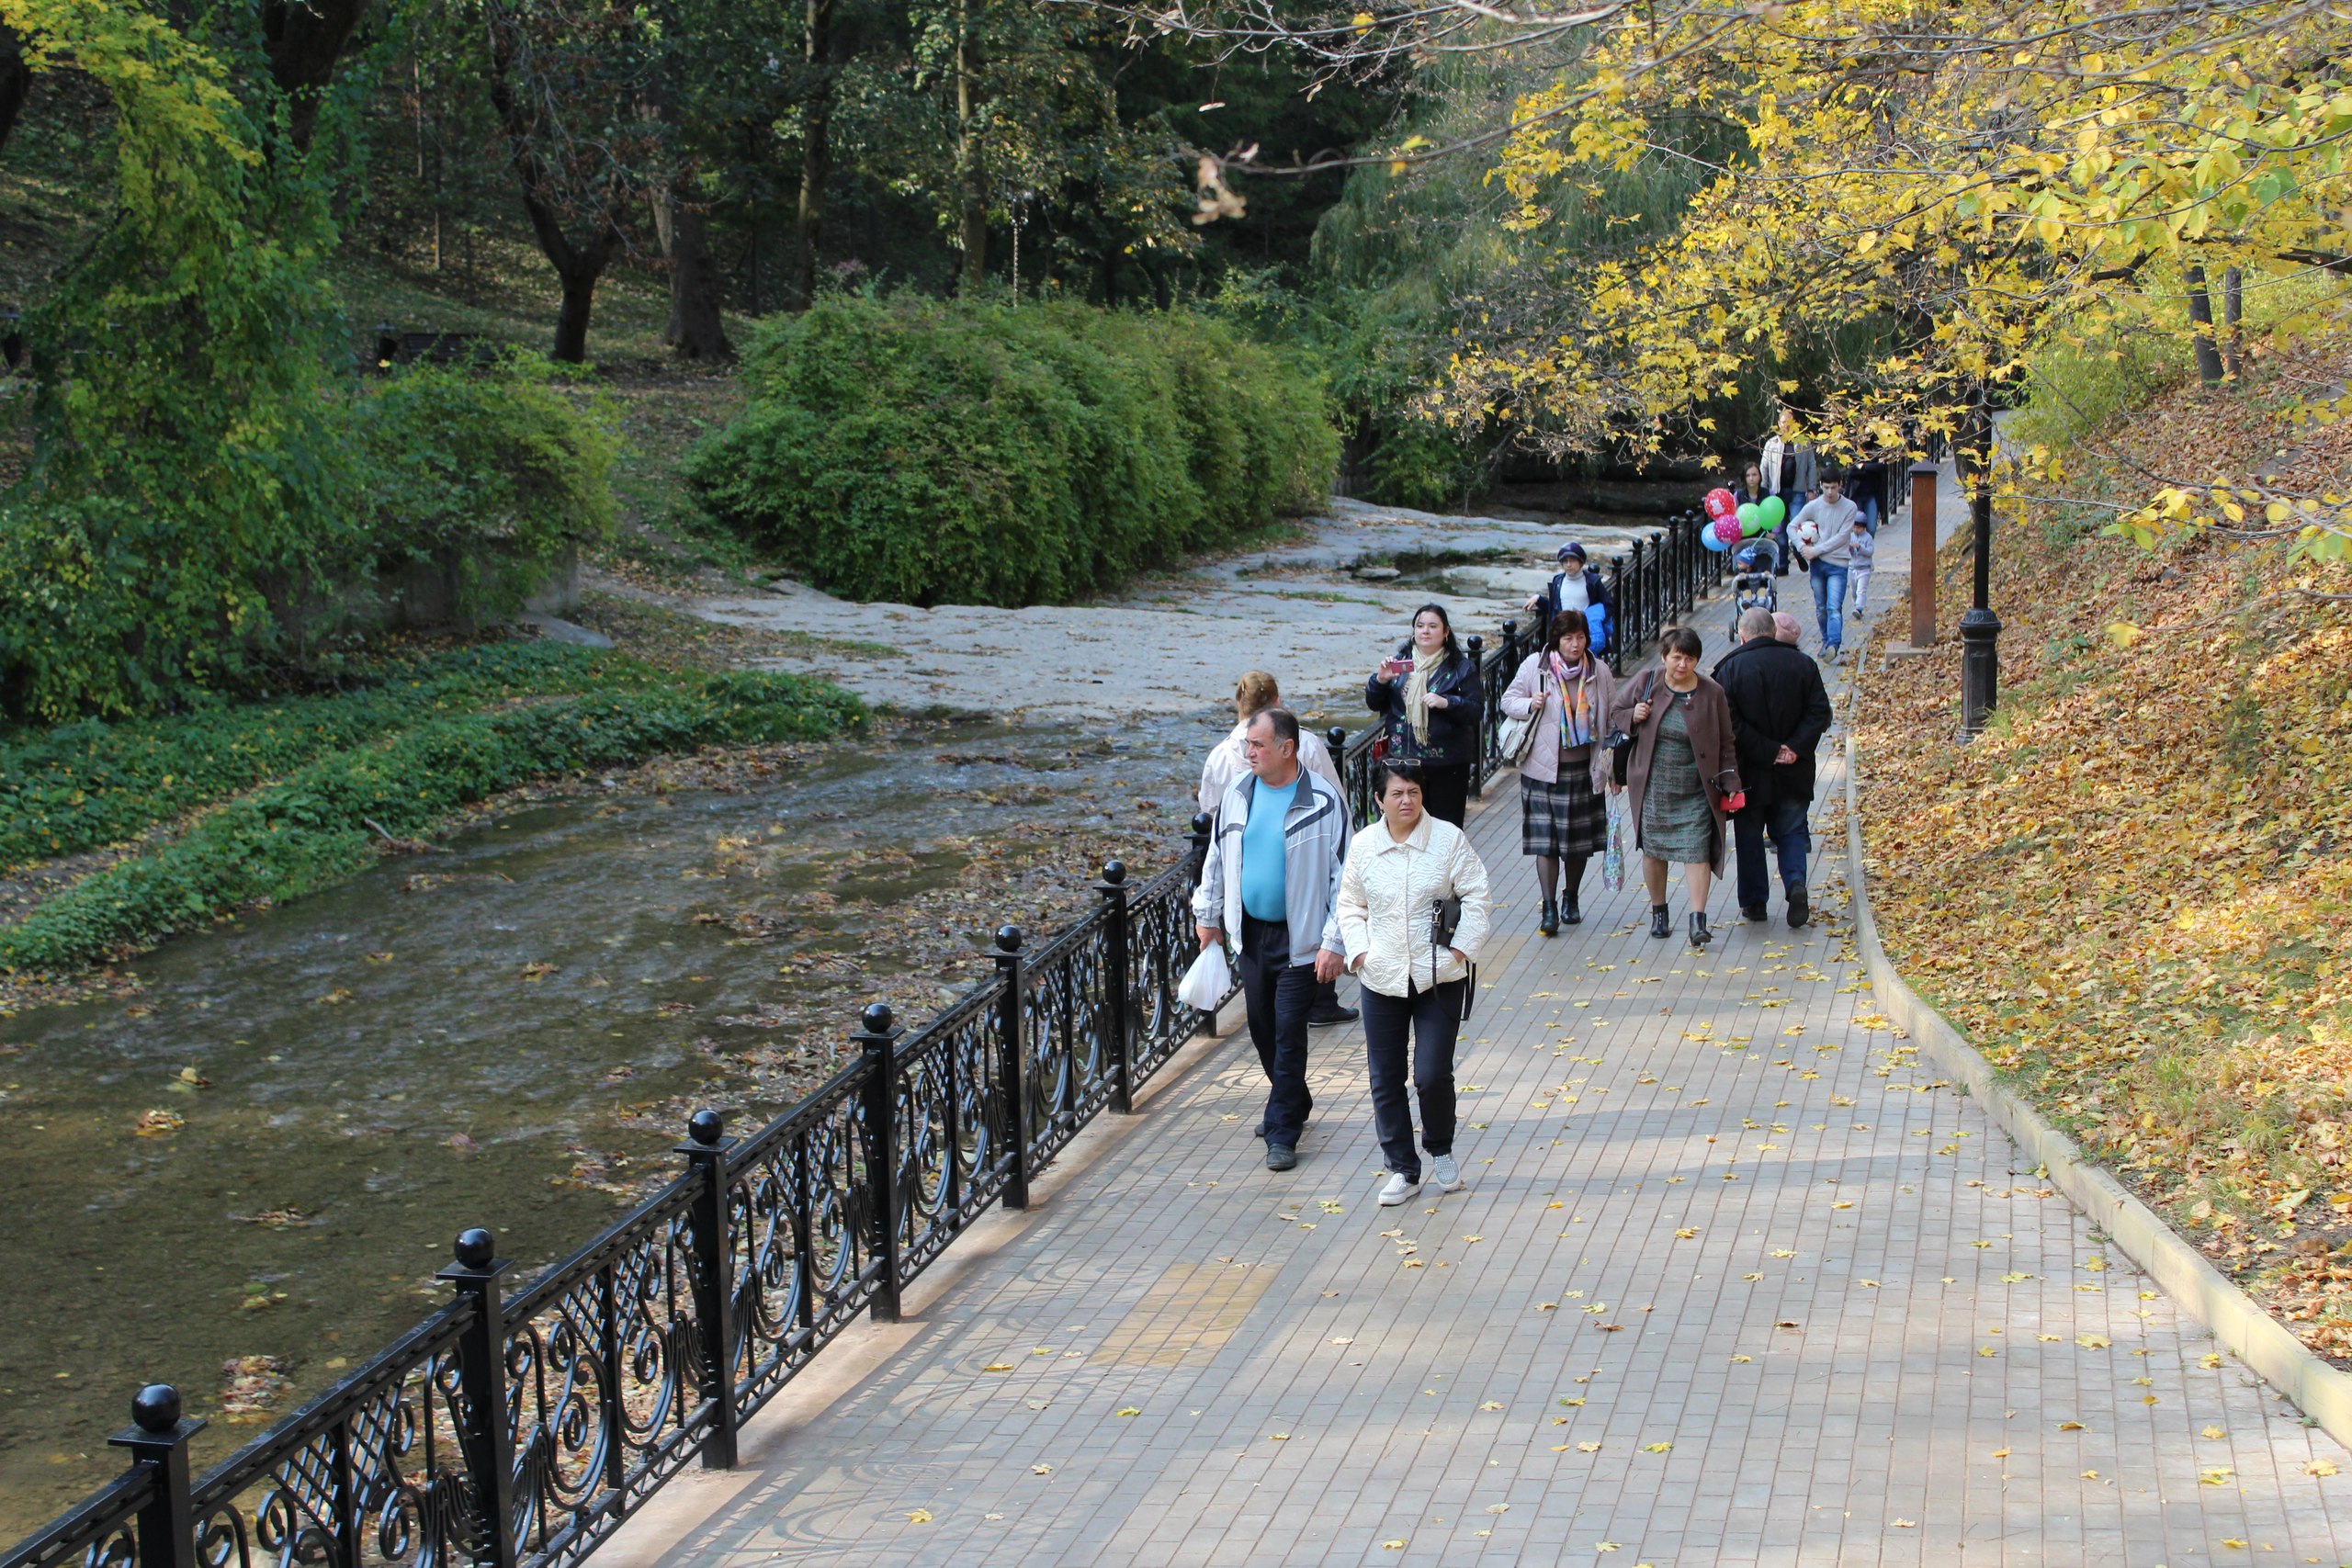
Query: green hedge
(306, 831)
(92, 783)
(961, 454)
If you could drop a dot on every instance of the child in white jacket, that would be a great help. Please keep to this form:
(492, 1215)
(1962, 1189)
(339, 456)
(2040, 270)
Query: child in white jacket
(1859, 551)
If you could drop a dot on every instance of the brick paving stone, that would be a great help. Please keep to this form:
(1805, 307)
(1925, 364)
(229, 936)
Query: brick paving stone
(1885, 1340)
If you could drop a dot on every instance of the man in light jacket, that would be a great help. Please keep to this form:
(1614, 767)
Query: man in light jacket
(1230, 763)
(1824, 534)
(1269, 892)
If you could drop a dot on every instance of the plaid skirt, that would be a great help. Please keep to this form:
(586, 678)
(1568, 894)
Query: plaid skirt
(1562, 818)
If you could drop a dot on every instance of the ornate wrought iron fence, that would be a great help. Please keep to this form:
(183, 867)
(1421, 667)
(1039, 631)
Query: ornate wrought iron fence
(1650, 588)
(519, 1432)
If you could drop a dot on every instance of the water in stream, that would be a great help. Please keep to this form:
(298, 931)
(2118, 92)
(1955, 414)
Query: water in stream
(506, 1033)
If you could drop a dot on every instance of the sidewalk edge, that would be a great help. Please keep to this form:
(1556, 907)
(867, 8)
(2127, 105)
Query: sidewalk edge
(2321, 1392)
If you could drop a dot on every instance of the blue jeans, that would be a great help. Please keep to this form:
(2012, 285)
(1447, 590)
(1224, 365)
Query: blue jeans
(1784, 822)
(1829, 603)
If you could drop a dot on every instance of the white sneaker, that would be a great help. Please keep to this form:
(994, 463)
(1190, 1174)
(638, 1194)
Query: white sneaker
(1446, 1173)
(1400, 1187)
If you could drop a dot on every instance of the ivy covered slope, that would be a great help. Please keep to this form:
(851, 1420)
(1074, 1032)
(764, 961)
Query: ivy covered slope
(287, 796)
(963, 453)
(2134, 892)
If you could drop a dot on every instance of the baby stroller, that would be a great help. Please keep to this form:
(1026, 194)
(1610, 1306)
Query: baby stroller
(1751, 583)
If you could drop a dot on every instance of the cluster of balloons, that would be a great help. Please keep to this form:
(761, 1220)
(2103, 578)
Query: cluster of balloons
(1733, 521)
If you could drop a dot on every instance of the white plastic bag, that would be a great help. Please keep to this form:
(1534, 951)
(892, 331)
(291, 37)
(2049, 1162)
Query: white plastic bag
(1206, 982)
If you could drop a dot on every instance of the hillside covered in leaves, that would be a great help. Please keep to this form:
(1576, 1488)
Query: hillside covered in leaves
(2133, 891)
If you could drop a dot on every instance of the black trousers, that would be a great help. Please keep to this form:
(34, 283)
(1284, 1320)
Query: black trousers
(1445, 791)
(1278, 993)
(1433, 1021)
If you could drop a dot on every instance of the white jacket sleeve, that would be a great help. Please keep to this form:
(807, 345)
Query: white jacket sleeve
(1208, 899)
(1468, 874)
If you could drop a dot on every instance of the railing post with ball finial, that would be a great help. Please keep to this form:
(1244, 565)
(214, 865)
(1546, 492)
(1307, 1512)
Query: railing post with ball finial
(1012, 1089)
(487, 1441)
(158, 1439)
(877, 1042)
(706, 1148)
(1116, 987)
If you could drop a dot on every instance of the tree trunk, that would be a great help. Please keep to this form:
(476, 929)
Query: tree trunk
(2233, 322)
(816, 150)
(16, 81)
(302, 40)
(2201, 319)
(695, 328)
(577, 268)
(971, 183)
(571, 319)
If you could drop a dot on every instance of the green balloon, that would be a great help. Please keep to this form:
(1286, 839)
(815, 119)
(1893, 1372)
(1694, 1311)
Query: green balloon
(1773, 510)
(1761, 529)
(1749, 515)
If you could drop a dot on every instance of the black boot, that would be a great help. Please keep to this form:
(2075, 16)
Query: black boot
(1569, 914)
(1571, 879)
(1698, 931)
(1661, 924)
(1800, 906)
(1549, 923)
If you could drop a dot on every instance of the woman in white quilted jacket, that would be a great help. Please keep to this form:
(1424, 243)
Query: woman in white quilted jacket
(1400, 872)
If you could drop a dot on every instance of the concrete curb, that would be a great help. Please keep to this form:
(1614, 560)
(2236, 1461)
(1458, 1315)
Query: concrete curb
(2319, 1391)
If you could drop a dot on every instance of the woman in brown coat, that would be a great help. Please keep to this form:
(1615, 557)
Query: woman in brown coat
(1682, 769)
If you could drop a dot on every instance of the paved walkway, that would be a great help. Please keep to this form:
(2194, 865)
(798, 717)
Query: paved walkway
(1735, 1281)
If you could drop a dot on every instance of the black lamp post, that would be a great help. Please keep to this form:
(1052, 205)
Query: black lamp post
(1980, 628)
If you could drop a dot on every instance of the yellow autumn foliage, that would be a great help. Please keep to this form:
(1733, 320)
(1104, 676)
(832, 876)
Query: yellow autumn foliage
(2134, 890)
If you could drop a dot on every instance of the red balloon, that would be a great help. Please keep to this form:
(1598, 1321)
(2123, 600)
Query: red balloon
(1720, 504)
(1728, 529)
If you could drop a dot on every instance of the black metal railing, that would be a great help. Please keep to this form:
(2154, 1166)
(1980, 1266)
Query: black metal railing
(519, 1431)
(1651, 587)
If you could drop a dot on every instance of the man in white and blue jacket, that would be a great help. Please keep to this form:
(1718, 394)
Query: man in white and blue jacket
(1270, 892)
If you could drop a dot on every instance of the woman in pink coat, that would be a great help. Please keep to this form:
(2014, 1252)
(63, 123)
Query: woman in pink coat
(1563, 818)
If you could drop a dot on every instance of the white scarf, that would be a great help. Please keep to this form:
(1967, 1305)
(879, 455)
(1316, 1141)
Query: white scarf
(1416, 691)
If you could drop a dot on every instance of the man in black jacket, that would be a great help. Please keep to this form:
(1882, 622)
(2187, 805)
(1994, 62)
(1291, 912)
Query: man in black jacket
(1780, 711)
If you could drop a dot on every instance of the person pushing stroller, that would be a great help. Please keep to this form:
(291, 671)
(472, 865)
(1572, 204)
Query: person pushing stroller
(1751, 585)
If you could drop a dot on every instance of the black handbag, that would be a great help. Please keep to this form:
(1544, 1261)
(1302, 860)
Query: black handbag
(1620, 744)
(1445, 916)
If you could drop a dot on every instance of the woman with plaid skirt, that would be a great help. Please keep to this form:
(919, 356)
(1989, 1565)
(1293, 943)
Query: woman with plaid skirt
(1563, 818)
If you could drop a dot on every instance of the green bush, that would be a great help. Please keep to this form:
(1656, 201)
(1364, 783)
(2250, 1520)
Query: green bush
(503, 471)
(94, 782)
(310, 830)
(983, 454)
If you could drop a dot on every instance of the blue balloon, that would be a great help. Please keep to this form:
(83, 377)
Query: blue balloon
(1707, 537)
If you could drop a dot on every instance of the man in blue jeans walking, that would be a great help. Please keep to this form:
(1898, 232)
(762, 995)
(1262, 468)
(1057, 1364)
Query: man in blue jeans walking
(1823, 532)
(1780, 711)
(1272, 882)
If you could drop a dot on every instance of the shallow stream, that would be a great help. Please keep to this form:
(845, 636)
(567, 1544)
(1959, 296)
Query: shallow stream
(242, 1178)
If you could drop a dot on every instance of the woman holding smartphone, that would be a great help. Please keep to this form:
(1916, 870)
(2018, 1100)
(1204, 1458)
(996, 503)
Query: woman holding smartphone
(1431, 700)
